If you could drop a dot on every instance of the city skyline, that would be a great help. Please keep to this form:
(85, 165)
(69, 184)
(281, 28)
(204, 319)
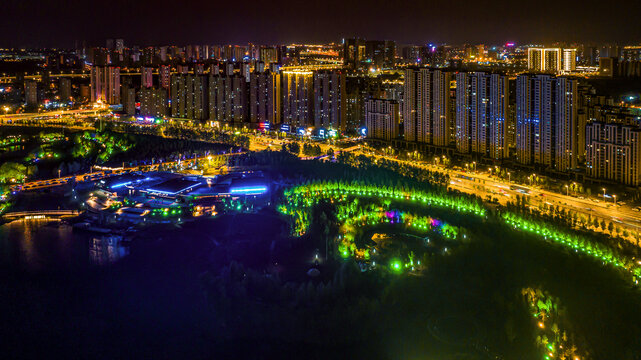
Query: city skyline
(288, 22)
(304, 179)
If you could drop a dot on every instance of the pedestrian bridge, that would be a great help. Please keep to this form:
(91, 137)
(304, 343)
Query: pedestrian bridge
(39, 214)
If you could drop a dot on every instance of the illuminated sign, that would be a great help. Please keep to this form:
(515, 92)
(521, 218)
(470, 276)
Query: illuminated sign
(301, 131)
(285, 128)
(332, 133)
(363, 131)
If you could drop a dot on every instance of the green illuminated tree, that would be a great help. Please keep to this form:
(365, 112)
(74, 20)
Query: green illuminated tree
(11, 171)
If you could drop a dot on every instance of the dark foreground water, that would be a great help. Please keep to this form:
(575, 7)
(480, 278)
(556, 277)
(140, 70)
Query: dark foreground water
(42, 245)
(61, 297)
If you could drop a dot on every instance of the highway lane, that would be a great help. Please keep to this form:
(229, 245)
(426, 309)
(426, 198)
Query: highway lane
(50, 114)
(485, 184)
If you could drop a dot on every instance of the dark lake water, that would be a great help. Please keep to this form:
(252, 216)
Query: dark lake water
(36, 246)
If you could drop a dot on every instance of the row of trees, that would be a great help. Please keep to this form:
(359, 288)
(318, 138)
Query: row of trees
(403, 169)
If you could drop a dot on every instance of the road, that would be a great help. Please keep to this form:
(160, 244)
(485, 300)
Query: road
(102, 173)
(480, 184)
(49, 115)
(484, 185)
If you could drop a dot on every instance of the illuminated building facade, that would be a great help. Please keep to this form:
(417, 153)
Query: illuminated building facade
(546, 121)
(482, 102)
(164, 77)
(227, 98)
(105, 84)
(189, 98)
(427, 114)
(329, 100)
(146, 77)
(153, 102)
(382, 118)
(269, 55)
(544, 59)
(31, 94)
(264, 98)
(613, 151)
(569, 60)
(354, 52)
(298, 98)
(128, 97)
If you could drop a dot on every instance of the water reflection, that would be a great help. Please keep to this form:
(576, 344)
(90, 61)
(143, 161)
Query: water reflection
(44, 245)
(107, 249)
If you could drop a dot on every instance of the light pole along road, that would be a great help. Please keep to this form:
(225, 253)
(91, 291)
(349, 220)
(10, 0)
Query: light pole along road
(481, 184)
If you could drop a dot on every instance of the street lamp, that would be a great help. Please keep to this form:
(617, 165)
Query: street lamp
(615, 199)
(509, 177)
(567, 190)
(603, 194)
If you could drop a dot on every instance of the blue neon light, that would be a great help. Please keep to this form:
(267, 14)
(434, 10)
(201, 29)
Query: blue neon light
(121, 185)
(248, 190)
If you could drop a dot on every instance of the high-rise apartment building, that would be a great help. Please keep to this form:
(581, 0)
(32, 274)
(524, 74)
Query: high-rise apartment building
(355, 96)
(147, 77)
(354, 52)
(269, 55)
(613, 146)
(264, 98)
(544, 59)
(128, 96)
(153, 102)
(482, 101)
(381, 53)
(227, 98)
(427, 106)
(65, 89)
(569, 60)
(164, 77)
(546, 121)
(329, 100)
(382, 118)
(31, 94)
(565, 105)
(298, 98)
(105, 84)
(189, 96)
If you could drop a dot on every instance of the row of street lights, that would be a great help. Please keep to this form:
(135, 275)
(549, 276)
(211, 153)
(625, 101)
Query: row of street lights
(531, 178)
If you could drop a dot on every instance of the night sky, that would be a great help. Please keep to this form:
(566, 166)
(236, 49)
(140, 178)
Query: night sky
(180, 22)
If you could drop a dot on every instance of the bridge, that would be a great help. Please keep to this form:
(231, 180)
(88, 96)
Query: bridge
(106, 172)
(40, 214)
